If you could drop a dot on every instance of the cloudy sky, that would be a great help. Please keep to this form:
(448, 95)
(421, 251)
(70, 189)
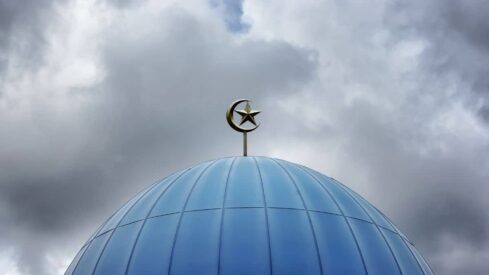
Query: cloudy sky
(98, 99)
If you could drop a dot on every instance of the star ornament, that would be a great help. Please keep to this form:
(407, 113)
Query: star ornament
(247, 114)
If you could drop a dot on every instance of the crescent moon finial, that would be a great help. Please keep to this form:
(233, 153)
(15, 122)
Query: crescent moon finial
(247, 115)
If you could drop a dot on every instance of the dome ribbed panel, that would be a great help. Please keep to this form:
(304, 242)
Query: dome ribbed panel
(248, 215)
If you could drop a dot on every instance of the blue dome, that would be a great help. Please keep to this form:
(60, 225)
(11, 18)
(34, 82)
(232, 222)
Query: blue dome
(248, 215)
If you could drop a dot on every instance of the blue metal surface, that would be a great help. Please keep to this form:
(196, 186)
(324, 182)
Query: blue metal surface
(248, 215)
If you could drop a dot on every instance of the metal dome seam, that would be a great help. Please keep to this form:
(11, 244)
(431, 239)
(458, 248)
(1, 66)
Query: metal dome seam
(266, 216)
(344, 217)
(170, 262)
(147, 215)
(308, 216)
(376, 226)
(222, 216)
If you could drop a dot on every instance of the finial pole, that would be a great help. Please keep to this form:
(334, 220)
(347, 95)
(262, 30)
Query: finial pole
(247, 115)
(245, 144)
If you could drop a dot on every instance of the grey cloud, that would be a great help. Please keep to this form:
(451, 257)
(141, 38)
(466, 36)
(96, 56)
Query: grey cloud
(232, 12)
(456, 53)
(469, 20)
(22, 30)
(458, 44)
(409, 141)
(432, 186)
(125, 3)
(159, 108)
(436, 195)
(455, 56)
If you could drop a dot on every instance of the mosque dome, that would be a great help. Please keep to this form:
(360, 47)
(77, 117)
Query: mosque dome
(248, 215)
